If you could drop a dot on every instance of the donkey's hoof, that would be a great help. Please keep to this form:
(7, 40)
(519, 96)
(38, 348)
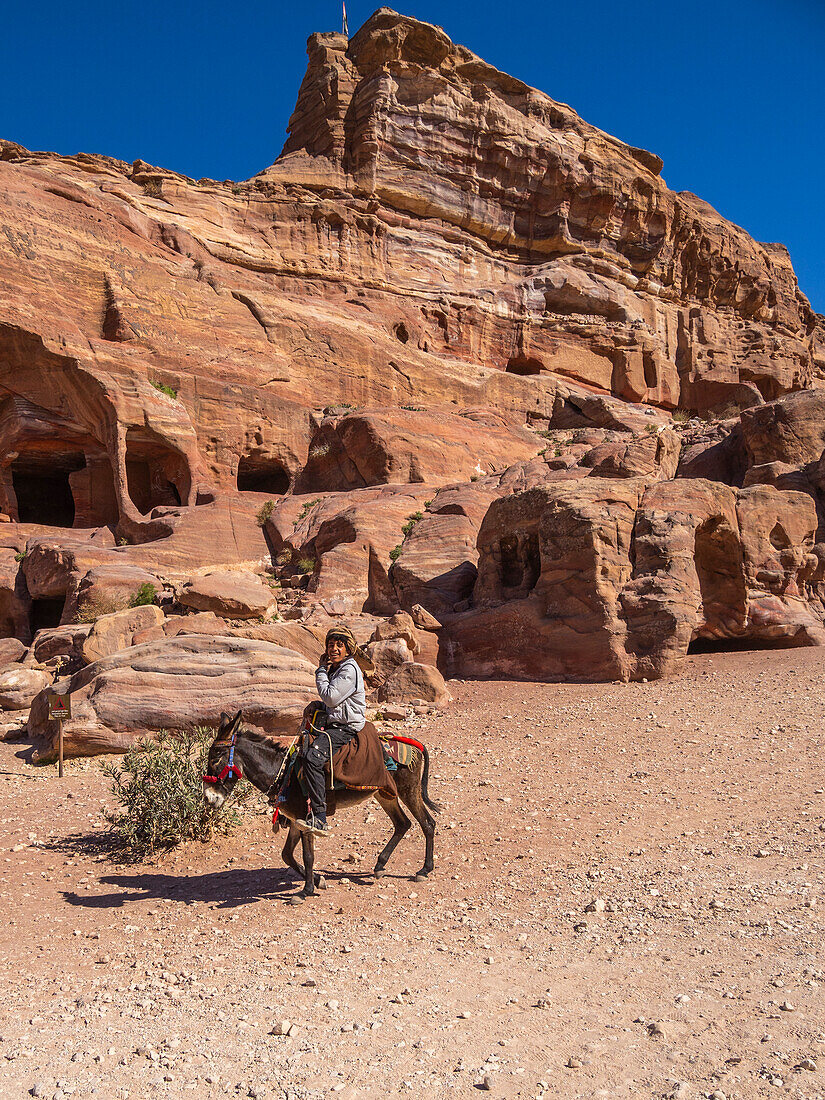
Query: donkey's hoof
(378, 874)
(422, 876)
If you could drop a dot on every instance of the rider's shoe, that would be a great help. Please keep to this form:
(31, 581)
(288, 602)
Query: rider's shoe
(313, 824)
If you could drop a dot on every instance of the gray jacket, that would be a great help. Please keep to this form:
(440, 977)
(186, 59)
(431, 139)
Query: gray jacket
(341, 690)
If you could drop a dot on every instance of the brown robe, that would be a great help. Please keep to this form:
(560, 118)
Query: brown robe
(360, 764)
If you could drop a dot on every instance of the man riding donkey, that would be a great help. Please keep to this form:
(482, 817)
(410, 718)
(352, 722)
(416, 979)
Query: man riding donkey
(336, 722)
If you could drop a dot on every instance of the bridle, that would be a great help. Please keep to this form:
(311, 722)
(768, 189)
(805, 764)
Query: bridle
(230, 768)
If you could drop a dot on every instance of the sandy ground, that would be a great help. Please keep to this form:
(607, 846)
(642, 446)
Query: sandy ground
(628, 901)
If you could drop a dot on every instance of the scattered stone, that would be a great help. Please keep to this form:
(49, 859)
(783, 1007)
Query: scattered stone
(808, 1064)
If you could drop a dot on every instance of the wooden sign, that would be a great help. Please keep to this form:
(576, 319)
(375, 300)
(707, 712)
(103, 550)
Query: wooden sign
(60, 706)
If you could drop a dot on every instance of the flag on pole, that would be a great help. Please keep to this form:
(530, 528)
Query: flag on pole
(345, 28)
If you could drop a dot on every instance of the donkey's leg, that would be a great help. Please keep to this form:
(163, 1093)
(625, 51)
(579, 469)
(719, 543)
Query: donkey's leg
(288, 853)
(308, 852)
(401, 822)
(409, 790)
(289, 859)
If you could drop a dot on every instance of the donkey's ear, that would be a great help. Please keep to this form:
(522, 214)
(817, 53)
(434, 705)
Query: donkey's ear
(236, 721)
(224, 718)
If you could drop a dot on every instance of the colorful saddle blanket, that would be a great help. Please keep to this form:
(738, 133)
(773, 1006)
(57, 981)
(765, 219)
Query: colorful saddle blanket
(399, 751)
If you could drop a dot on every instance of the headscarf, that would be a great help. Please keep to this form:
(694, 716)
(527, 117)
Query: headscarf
(345, 635)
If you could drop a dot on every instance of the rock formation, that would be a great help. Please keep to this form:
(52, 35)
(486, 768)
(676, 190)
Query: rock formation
(448, 353)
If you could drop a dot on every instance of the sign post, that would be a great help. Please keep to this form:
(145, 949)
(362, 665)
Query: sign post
(60, 708)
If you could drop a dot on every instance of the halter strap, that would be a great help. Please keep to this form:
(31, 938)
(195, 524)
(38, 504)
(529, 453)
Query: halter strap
(230, 768)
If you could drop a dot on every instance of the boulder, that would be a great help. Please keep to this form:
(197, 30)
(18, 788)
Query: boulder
(232, 594)
(386, 656)
(174, 684)
(298, 637)
(112, 587)
(12, 651)
(61, 641)
(412, 682)
(201, 622)
(18, 686)
(655, 453)
(113, 633)
(423, 619)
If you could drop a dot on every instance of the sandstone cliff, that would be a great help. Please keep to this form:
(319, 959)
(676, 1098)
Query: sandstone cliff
(430, 356)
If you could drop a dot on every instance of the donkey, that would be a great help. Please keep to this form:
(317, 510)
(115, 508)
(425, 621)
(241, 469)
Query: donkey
(239, 753)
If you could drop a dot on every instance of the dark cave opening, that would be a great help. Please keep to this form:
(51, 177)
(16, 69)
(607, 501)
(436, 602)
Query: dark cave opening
(156, 475)
(262, 475)
(739, 645)
(524, 364)
(46, 614)
(42, 487)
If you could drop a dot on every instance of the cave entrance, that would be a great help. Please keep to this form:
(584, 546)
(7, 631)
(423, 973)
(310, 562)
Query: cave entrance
(41, 484)
(739, 645)
(524, 364)
(520, 564)
(262, 475)
(46, 614)
(156, 475)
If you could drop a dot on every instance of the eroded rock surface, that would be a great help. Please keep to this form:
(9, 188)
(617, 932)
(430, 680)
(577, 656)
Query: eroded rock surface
(447, 354)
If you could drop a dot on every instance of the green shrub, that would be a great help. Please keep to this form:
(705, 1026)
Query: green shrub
(305, 565)
(307, 508)
(264, 512)
(146, 594)
(395, 553)
(21, 556)
(680, 416)
(411, 522)
(164, 388)
(159, 791)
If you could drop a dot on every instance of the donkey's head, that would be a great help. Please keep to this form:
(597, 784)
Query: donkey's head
(222, 772)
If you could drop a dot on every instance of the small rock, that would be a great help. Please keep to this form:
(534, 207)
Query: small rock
(787, 1006)
(808, 1064)
(283, 1027)
(656, 1030)
(683, 999)
(573, 1062)
(597, 905)
(485, 1083)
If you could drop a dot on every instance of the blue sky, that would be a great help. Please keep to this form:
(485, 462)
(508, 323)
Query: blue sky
(729, 93)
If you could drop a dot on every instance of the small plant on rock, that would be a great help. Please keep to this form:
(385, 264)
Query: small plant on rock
(307, 508)
(305, 565)
(680, 416)
(395, 553)
(264, 512)
(96, 607)
(168, 390)
(411, 522)
(159, 791)
(21, 556)
(145, 595)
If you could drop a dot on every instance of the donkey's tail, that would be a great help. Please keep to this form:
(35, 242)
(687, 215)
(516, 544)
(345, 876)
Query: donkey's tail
(434, 806)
